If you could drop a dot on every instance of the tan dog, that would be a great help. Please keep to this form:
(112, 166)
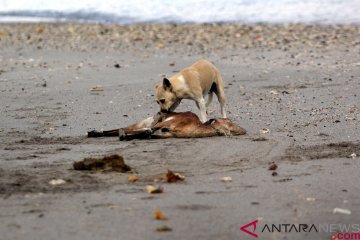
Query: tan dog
(194, 82)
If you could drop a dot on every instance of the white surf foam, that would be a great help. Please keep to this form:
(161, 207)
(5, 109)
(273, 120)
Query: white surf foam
(182, 11)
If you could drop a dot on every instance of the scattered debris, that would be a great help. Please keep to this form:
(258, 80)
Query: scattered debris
(153, 190)
(172, 64)
(159, 216)
(97, 88)
(274, 92)
(163, 228)
(284, 180)
(353, 155)
(171, 177)
(132, 178)
(55, 182)
(160, 45)
(310, 199)
(265, 130)
(226, 179)
(157, 180)
(44, 84)
(274, 174)
(113, 162)
(273, 167)
(259, 139)
(117, 65)
(342, 211)
(40, 29)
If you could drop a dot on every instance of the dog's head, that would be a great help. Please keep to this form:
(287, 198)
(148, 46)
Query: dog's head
(165, 97)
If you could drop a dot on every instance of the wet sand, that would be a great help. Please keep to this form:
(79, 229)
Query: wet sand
(294, 88)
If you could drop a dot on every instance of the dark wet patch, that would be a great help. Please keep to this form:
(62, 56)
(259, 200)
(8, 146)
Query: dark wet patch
(108, 163)
(34, 181)
(53, 140)
(321, 151)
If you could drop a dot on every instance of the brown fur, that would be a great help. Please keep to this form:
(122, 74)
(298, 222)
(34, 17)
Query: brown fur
(181, 125)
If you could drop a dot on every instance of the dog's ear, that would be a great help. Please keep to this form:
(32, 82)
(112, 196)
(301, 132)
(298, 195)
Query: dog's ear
(166, 84)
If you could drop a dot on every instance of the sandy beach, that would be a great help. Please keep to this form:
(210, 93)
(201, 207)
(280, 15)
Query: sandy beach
(294, 88)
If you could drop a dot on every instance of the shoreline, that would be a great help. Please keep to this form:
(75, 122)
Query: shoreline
(201, 37)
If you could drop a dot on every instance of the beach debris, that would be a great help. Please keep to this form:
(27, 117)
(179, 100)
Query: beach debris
(172, 64)
(226, 179)
(56, 182)
(117, 65)
(44, 83)
(4, 34)
(160, 45)
(97, 88)
(274, 174)
(353, 155)
(163, 228)
(40, 29)
(171, 177)
(157, 180)
(153, 190)
(265, 130)
(273, 167)
(274, 92)
(132, 178)
(342, 211)
(259, 139)
(158, 215)
(113, 162)
(284, 180)
(310, 199)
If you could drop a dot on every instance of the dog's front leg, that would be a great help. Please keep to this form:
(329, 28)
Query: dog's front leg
(202, 107)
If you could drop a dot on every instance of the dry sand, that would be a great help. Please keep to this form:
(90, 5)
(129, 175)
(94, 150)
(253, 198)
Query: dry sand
(299, 82)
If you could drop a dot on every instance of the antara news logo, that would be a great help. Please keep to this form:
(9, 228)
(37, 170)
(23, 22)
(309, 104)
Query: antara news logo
(339, 231)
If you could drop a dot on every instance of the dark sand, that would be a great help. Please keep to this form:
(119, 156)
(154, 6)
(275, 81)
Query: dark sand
(300, 82)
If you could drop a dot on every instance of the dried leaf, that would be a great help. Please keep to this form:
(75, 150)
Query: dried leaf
(152, 189)
(97, 88)
(273, 167)
(163, 228)
(40, 29)
(172, 177)
(159, 216)
(132, 178)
